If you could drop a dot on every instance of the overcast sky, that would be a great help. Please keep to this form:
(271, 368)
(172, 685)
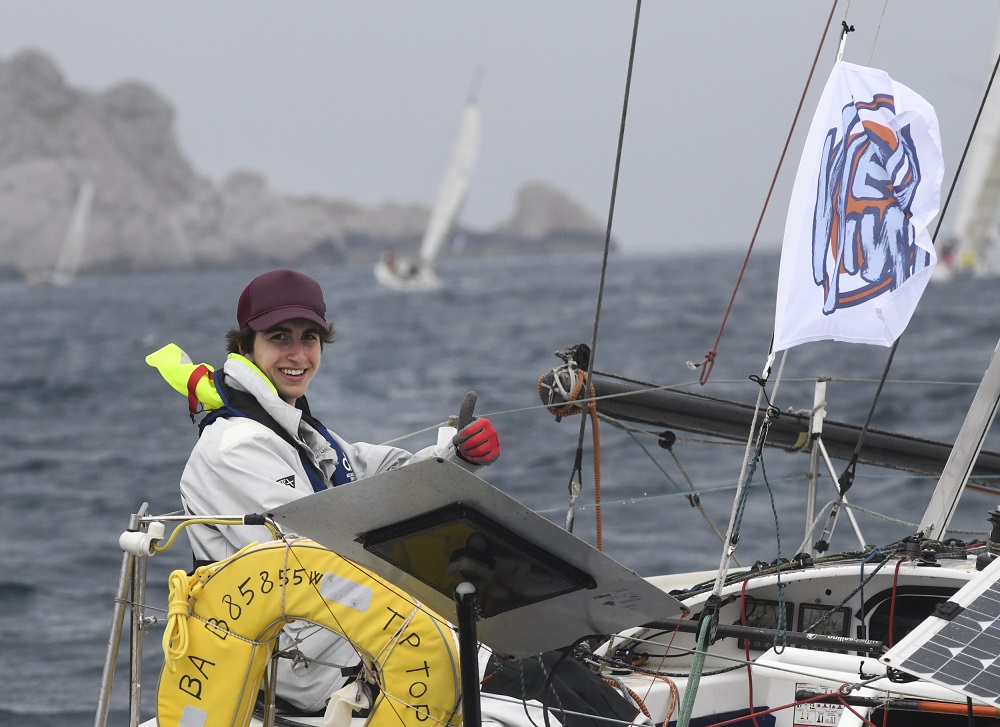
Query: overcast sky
(361, 99)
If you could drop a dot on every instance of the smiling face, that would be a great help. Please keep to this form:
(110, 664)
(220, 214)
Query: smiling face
(288, 355)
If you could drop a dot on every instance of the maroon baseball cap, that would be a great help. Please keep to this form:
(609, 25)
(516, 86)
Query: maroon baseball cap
(280, 296)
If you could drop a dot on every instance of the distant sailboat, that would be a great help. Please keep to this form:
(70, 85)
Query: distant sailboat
(68, 263)
(974, 247)
(401, 273)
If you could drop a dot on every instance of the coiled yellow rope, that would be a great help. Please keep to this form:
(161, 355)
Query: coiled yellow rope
(175, 636)
(184, 590)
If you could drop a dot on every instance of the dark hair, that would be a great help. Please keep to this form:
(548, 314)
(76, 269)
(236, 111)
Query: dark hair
(240, 340)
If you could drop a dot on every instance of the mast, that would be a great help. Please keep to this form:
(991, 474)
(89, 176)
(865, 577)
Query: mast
(958, 468)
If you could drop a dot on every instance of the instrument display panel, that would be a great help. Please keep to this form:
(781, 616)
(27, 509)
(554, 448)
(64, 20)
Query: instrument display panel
(764, 614)
(838, 624)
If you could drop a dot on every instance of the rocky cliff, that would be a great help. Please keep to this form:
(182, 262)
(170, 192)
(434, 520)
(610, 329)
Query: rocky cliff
(152, 210)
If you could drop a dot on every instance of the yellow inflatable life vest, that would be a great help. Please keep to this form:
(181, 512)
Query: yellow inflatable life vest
(195, 381)
(225, 619)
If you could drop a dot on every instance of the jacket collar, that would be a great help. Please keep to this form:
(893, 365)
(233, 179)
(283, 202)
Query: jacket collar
(241, 373)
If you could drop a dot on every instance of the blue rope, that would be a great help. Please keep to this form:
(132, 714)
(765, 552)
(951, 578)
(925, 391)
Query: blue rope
(778, 644)
(758, 456)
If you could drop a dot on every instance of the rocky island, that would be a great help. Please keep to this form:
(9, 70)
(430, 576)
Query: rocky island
(152, 210)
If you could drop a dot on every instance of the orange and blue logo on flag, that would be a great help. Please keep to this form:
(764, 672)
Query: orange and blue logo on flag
(857, 254)
(863, 244)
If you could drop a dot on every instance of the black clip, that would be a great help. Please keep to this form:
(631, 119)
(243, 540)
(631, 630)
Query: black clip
(948, 610)
(711, 612)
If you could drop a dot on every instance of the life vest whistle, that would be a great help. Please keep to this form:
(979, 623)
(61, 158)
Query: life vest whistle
(195, 381)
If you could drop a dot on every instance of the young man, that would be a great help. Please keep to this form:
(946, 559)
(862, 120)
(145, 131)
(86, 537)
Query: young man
(265, 449)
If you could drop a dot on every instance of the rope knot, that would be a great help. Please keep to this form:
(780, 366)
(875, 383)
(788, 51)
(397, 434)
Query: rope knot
(706, 365)
(560, 389)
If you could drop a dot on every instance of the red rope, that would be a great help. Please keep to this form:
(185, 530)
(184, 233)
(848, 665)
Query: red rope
(674, 695)
(709, 360)
(746, 651)
(817, 698)
(892, 601)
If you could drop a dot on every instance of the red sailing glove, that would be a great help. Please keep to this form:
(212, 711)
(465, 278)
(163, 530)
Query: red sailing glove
(478, 443)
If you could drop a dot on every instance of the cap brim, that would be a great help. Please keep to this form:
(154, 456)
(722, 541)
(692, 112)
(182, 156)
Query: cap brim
(272, 318)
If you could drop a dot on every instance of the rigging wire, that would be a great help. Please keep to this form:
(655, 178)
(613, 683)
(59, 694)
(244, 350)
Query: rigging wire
(693, 497)
(709, 361)
(878, 29)
(965, 151)
(577, 473)
(847, 477)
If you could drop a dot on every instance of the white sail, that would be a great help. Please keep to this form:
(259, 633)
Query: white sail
(454, 186)
(420, 274)
(71, 254)
(978, 201)
(975, 218)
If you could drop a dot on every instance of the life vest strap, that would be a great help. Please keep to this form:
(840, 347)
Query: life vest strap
(192, 384)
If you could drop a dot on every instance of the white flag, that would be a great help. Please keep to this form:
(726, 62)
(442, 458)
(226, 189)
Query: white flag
(857, 253)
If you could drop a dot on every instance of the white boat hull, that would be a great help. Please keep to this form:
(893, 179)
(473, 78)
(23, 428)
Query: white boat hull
(662, 657)
(405, 276)
(776, 676)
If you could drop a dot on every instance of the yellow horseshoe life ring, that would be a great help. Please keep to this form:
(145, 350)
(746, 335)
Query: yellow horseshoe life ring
(225, 618)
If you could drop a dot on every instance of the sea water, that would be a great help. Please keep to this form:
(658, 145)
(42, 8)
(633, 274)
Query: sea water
(90, 432)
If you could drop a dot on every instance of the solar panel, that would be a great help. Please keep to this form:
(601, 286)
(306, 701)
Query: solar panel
(958, 646)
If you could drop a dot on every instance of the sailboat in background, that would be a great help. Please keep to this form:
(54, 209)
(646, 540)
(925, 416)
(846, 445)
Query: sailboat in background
(400, 273)
(67, 263)
(974, 246)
